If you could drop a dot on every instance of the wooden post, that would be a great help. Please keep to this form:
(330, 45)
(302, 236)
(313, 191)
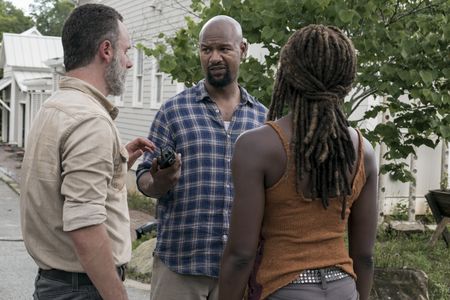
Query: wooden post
(444, 166)
(381, 195)
(439, 230)
(412, 190)
(438, 216)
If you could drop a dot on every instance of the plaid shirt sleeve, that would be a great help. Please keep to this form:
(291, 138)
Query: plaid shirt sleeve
(161, 137)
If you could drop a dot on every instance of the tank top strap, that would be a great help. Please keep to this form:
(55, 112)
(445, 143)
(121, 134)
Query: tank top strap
(281, 135)
(360, 148)
(360, 168)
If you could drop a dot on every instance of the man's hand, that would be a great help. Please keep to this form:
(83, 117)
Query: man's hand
(136, 148)
(158, 181)
(165, 179)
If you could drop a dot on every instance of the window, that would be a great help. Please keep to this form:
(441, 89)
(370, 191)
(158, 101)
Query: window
(157, 85)
(138, 82)
(37, 98)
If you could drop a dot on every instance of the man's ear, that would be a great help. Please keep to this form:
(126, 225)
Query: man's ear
(244, 49)
(106, 51)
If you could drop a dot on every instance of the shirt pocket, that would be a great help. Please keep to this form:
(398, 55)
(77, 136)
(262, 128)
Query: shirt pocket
(120, 169)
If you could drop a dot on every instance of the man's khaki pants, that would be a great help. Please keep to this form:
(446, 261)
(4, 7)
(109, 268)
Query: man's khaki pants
(168, 285)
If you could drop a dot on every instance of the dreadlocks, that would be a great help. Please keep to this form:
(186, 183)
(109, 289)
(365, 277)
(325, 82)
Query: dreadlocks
(316, 70)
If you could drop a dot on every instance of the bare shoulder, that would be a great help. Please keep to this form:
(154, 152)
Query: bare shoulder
(260, 141)
(369, 152)
(254, 134)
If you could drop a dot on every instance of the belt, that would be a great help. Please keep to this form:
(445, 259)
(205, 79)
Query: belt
(81, 278)
(320, 276)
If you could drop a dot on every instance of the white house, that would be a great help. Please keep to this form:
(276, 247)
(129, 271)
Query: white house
(22, 58)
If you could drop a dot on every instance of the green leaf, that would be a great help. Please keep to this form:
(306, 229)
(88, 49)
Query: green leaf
(267, 33)
(227, 4)
(446, 98)
(446, 72)
(427, 77)
(445, 131)
(397, 171)
(404, 53)
(404, 75)
(346, 15)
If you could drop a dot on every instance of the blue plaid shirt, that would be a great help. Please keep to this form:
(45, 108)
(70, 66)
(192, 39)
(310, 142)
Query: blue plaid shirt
(194, 215)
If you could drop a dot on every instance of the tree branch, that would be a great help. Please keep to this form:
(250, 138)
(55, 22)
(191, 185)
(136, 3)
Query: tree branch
(186, 9)
(415, 10)
(382, 15)
(361, 98)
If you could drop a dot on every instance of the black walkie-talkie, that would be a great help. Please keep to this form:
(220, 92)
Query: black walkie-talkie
(166, 158)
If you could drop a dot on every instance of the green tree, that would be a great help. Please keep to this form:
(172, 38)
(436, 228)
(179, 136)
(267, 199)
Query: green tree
(49, 15)
(12, 19)
(403, 50)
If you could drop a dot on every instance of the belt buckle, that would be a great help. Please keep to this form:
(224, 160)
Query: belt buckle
(323, 278)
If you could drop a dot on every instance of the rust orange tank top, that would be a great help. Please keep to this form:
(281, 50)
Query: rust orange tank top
(299, 234)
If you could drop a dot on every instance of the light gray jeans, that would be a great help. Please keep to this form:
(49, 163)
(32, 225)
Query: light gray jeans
(343, 289)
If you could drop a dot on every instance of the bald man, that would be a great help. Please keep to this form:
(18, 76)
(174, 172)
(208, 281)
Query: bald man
(201, 124)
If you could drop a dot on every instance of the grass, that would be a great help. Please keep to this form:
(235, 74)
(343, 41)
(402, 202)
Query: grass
(137, 201)
(406, 250)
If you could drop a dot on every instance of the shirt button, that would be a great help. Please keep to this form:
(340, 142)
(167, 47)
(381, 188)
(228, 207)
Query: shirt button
(224, 237)
(217, 111)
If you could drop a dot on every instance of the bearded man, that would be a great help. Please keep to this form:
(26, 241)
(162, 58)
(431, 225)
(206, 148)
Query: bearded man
(74, 211)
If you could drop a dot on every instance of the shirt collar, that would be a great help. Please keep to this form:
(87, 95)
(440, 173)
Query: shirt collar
(67, 82)
(203, 94)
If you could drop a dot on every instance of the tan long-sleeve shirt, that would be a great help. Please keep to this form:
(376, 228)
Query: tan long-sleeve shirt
(73, 176)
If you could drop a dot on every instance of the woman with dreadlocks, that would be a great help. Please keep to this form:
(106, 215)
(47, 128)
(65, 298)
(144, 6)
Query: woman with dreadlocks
(300, 181)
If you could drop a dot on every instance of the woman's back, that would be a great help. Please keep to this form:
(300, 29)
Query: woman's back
(298, 233)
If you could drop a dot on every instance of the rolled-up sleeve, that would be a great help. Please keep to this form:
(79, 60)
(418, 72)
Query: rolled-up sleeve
(87, 169)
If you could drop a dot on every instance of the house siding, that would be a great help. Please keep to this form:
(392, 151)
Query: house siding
(144, 24)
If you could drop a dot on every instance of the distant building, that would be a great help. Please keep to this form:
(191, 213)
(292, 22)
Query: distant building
(22, 58)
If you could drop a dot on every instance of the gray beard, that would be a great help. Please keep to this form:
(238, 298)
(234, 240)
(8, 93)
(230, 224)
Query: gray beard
(115, 77)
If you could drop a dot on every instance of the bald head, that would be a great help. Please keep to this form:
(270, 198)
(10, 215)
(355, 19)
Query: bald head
(223, 21)
(221, 49)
